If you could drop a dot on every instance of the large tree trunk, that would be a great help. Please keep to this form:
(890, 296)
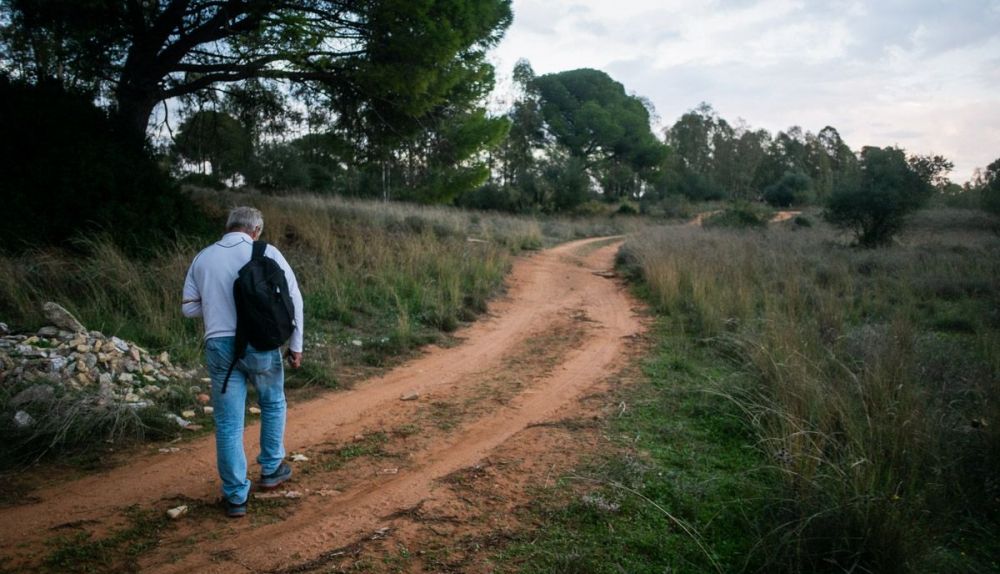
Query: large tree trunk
(135, 108)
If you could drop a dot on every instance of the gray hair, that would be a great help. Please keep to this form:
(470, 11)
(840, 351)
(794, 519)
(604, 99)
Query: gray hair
(245, 218)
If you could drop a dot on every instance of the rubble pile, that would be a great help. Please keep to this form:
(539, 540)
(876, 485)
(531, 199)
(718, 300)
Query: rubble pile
(65, 353)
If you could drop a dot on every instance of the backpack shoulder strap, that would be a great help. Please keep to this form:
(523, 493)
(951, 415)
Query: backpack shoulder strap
(258, 249)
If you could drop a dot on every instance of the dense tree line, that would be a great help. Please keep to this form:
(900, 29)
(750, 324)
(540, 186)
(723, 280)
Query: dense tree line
(387, 99)
(381, 95)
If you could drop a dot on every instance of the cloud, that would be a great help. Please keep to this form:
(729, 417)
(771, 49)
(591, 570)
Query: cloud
(921, 73)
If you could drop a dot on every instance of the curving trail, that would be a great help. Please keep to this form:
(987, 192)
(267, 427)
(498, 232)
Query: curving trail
(561, 329)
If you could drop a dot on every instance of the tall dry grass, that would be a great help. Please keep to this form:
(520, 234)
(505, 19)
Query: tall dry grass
(876, 382)
(362, 264)
(377, 279)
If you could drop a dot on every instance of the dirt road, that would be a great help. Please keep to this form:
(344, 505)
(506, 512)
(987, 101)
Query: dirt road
(562, 329)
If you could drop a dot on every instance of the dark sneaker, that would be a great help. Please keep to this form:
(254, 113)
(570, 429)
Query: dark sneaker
(269, 481)
(234, 510)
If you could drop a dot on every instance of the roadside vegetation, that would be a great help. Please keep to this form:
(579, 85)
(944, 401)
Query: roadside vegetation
(810, 407)
(379, 279)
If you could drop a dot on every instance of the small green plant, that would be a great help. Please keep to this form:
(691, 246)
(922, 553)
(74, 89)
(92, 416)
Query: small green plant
(117, 552)
(371, 445)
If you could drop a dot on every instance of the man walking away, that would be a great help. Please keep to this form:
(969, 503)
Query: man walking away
(208, 293)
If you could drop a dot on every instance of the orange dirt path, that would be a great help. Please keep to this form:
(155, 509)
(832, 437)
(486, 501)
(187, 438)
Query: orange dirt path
(560, 288)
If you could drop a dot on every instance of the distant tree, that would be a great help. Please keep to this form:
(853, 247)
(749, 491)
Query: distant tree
(216, 138)
(569, 184)
(991, 188)
(820, 167)
(888, 189)
(843, 162)
(691, 137)
(933, 169)
(283, 168)
(751, 149)
(527, 129)
(591, 115)
(710, 158)
(446, 160)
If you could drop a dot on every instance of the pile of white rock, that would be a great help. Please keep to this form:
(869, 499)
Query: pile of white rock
(66, 354)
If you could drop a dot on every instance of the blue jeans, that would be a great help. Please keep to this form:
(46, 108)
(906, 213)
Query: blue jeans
(266, 372)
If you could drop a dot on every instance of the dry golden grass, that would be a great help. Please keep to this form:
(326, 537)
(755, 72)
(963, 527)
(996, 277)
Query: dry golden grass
(876, 375)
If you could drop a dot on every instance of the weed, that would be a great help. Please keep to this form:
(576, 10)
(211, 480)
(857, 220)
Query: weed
(371, 445)
(117, 552)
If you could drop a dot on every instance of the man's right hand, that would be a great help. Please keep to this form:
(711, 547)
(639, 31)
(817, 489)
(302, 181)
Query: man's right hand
(294, 358)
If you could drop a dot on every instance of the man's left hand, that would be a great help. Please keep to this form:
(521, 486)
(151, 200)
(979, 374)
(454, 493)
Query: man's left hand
(294, 358)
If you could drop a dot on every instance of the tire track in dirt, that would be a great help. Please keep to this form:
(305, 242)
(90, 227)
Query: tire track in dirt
(543, 290)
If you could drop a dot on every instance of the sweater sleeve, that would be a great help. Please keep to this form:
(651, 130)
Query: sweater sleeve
(191, 299)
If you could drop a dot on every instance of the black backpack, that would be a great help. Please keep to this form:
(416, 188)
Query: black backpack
(265, 315)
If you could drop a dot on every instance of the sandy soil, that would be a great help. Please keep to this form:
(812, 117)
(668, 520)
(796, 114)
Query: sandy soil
(784, 216)
(441, 474)
(779, 216)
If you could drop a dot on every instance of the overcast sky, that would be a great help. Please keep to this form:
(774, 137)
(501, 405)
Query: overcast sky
(920, 74)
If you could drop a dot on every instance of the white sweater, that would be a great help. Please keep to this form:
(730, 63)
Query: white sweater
(208, 288)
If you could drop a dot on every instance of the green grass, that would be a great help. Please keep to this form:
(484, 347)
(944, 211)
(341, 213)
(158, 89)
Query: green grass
(867, 371)
(680, 492)
(372, 445)
(808, 408)
(391, 277)
(119, 551)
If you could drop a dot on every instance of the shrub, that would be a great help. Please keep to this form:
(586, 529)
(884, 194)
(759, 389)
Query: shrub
(490, 196)
(627, 209)
(802, 221)
(69, 169)
(592, 208)
(669, 206)
(792, 189)
(697, 187)
(875, 209)
(739, 216)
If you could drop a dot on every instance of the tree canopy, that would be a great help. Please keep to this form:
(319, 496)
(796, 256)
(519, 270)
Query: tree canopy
(216, 138)
(591, 115)
(139, 53)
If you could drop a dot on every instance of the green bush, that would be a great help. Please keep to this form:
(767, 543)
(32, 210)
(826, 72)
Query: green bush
(627, 209)
(792, 189)
(669, 206)
(491, 197)
(876, 207)
(802, 221)
(739, 216)
(70, 170)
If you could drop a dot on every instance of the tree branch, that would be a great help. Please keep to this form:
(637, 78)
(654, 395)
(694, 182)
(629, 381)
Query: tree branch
(237, 74)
